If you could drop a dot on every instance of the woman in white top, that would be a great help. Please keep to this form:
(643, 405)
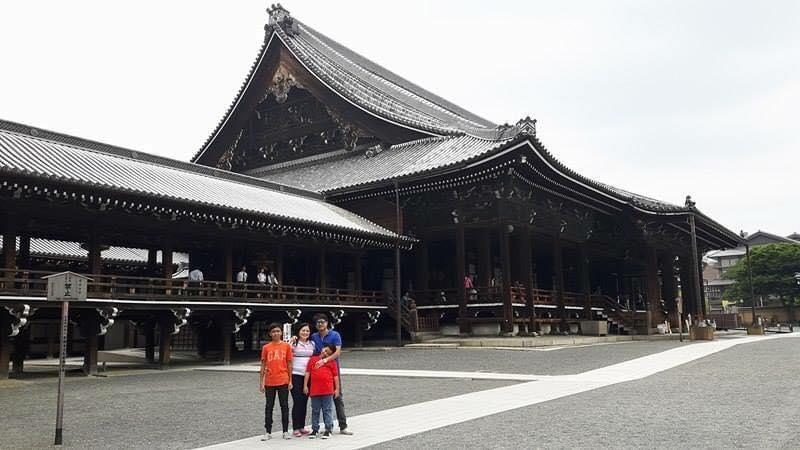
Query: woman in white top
(302, 350)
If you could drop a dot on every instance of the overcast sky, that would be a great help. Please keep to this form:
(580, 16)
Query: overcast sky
(663, 98)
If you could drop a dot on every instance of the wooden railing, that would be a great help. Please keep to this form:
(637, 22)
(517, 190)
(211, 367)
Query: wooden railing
(30, 284)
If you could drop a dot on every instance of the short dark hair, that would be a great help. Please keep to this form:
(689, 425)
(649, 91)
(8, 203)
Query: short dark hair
(331, 347)
(320, 316)
(274, 325)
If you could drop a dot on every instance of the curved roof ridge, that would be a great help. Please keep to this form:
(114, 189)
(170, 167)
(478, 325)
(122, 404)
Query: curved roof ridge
(447, 108)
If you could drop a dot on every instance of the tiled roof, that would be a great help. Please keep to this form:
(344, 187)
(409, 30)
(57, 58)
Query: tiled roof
(365, 84)
(46, 155)
(73, 250)
(399, 161)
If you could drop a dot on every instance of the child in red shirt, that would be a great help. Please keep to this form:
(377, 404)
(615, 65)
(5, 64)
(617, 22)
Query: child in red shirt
(275, 377)
(324, 387)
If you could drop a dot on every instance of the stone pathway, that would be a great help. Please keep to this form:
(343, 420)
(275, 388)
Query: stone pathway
(382, 426)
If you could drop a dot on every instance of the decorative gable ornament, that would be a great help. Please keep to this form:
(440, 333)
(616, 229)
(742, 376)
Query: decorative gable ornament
(279, 17)
(527, 126)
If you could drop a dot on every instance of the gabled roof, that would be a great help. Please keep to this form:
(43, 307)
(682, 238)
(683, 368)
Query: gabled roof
(27, 151)
(359, 81)
(763, 235)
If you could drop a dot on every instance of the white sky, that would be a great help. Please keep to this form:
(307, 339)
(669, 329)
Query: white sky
(661, 98)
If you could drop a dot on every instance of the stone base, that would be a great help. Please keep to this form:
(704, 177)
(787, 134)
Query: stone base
(756, 330)
(701, 333)
(594, 327)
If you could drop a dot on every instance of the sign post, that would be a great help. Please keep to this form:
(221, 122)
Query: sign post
(64, 287)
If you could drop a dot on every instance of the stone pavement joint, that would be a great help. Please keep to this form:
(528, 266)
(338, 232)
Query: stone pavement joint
(382, 426)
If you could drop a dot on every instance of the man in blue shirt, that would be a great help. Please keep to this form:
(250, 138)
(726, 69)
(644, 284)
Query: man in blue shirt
(321, 338)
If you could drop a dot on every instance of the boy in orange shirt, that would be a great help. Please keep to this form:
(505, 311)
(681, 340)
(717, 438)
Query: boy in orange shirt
(276, 369)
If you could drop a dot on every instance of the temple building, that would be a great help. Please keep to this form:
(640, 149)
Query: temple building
(356, 188)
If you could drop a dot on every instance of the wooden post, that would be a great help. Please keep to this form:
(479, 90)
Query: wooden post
(652, 286)
(526, 269)
(505, 260)
(226, 328)
(279, 264)
(21, 346)
(358, 274)
(422, 266)
(90, 324)
(697, 268)
(94, 257)
(165, 328)
(150, 340)
(323, 269)
(227, 255)
(558, 281)
(585, 281)
(9, 253)
(461, 272)
(166, 266)
(152, 262)
(24, 257)
(5, 343)
(687, 285)
(485, 258)
(668, 286)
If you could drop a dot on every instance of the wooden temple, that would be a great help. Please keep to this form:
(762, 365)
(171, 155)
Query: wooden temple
(323, 167)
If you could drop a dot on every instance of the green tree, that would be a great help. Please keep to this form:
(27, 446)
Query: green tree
(774, 266)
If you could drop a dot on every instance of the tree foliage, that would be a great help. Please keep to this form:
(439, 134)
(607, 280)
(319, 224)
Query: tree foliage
(774, 266)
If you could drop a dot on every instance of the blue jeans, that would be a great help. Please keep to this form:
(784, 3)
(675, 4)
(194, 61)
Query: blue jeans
(324, 403)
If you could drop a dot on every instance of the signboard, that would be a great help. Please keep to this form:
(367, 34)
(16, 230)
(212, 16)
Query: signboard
(66, 287)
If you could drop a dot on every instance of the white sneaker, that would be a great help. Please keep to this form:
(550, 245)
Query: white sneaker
(267, 436)
(286, 435)
(346, 432)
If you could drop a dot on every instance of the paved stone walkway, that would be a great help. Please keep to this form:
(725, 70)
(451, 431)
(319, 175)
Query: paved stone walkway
(382, 426)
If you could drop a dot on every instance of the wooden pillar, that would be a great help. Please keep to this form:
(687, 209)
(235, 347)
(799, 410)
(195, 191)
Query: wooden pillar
(358, 274)
(702, 309)
(152, 262)
(9, 253)
(94, 257)
(585, 280)
(150, 340)
(687, 286)
(653, 289)
(668, 286)
(558, 281)
(279, 264)
(5, 344)
(526, 270)
(165, 327)
(90, 324)
(422, 275)
(166, 266)
(24, 256)
(505, 260)
(21, 346)
(226, 328)
(323, 269)
(485, 258)
(227, 251)
(461, 272)
(166, 261)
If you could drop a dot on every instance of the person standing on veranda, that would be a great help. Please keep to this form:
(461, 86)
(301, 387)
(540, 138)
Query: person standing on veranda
(325, 336)
(275, 378)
